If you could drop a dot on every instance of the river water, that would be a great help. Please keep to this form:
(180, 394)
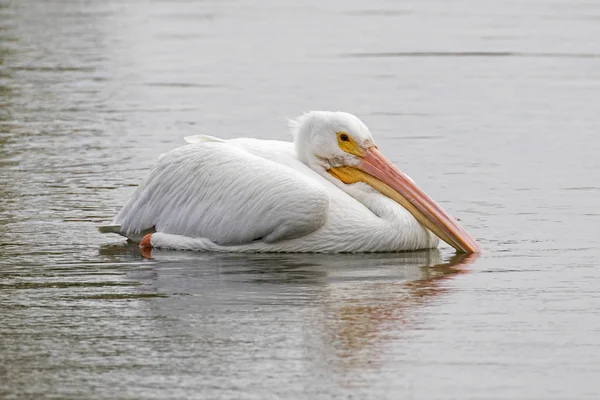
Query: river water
(491, 106)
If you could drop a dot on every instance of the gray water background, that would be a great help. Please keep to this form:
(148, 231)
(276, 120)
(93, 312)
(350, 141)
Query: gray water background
(491, 106)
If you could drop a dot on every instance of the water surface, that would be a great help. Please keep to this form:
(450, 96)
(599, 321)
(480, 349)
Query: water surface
(490, 106)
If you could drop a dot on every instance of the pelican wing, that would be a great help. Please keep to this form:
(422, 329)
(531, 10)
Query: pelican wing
(220, 191)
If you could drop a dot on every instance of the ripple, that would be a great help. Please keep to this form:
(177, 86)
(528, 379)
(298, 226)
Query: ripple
(468, 54)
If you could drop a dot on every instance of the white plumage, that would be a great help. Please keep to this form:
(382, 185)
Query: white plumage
(250, 195)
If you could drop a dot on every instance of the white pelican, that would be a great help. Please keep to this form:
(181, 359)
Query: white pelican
(330, 190)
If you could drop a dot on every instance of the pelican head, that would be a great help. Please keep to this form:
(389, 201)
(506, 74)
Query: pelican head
(341, 145)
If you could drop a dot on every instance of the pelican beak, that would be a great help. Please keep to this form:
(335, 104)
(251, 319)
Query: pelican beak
(381, 174)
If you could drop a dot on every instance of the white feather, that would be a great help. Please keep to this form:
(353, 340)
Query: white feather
(203, 190)
(202, 138)
(249, 195)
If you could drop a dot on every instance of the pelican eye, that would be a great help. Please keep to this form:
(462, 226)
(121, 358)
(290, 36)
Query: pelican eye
(347, 144)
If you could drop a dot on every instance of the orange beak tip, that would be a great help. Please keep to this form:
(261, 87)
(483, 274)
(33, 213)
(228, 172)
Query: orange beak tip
(400, 187)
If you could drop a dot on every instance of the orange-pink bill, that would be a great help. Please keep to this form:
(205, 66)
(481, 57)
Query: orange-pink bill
(424, 209)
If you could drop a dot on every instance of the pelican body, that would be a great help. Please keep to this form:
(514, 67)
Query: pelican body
(330, 190)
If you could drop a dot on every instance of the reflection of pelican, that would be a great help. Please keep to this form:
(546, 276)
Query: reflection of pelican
(347, 308)
(360, 321)
(330, 190)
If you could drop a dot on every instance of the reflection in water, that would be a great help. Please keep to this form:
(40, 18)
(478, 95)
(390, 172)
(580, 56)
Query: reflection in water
(359, 323)
(358, 302)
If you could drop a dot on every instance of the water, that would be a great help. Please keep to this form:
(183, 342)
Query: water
(490, 106)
